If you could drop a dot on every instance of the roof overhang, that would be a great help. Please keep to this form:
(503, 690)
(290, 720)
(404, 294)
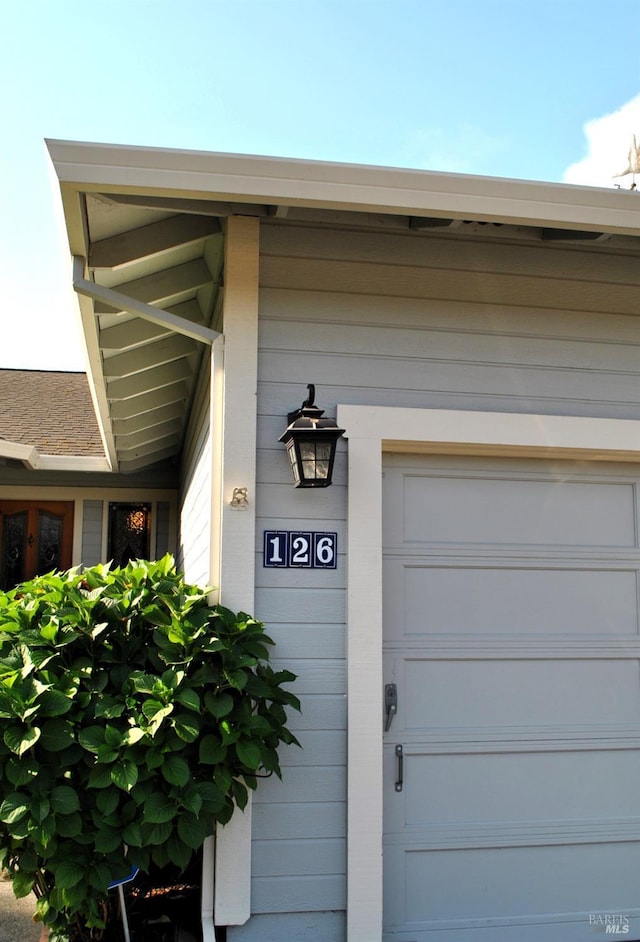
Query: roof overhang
(145, 225)
(154, 173)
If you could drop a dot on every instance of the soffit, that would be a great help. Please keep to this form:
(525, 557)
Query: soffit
(144, 372)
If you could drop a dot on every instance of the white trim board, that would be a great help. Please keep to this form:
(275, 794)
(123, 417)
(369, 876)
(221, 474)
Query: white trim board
(104, 168)
(371, 430)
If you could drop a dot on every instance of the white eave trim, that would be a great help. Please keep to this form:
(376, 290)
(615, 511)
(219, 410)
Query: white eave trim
(81, 463)
(103, 168)
(35, 461)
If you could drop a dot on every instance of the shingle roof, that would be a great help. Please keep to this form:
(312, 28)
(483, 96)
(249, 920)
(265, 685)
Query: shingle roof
(49, 410)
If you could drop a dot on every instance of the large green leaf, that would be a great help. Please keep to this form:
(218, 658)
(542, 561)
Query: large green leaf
(56, 735)
(22, 882)
(176, 770)
(64, 800)
(211, 751)
(159, 833)
(107, 801)
(188, 698)
(54, 703)
(91, 738)
(20, 739)
(14, 807)
(107, 840)
(124, 774)
(219, 704)
(192, 830)
(249, 753)
(68, 873)
(69, 825)
(159, 808)
(132, 834)
(187, 726)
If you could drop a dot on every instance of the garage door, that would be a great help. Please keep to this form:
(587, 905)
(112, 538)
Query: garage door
(511, 651)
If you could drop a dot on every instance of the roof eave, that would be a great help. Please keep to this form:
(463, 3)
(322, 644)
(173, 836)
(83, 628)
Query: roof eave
(85, 167)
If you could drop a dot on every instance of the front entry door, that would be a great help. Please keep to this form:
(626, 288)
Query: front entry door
(512, 763)
(35, 537)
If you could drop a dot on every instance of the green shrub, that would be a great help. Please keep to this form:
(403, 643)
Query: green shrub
(133, 717)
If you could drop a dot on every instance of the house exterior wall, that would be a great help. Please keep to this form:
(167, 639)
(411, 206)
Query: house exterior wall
(194, 542)
(474, 321)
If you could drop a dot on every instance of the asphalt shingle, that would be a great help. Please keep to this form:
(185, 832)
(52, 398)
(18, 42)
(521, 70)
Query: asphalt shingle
(50, 410)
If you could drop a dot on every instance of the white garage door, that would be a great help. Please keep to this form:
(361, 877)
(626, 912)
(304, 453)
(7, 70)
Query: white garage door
(512, 764)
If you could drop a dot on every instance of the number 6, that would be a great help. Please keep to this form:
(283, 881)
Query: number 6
(325, 553)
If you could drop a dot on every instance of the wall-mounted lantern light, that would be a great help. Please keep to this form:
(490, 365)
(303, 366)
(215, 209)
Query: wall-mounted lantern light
(311, 443)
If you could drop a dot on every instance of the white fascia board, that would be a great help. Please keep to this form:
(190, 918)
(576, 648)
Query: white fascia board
(35, 461)
(269, 180)
(80, 463)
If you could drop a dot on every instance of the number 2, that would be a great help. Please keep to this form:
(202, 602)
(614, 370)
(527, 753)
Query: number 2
(300, 550)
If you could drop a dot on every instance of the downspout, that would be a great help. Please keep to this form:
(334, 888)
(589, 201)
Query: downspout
(120, 302)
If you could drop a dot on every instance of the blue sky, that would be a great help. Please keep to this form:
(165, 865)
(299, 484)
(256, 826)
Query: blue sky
(539, 89)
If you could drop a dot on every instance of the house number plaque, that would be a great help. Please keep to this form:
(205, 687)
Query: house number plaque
(300, 549)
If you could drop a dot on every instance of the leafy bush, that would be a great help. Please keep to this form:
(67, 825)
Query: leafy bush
(133, 717)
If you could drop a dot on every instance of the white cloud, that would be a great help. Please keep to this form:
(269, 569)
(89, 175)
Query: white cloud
(608, 141)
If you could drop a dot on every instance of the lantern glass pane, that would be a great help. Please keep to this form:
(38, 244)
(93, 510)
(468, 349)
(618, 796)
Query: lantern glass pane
(291, 451)
(308, 460)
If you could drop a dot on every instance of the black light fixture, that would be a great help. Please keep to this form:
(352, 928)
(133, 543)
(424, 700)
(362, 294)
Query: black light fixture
(311, 443)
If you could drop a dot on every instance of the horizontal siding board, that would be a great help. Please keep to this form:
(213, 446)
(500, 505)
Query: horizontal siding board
(488, 402)
(385, 372)
(291, 927)
(314, 676)
(281, 858)
(273, 465)
(443, 345)
(298, 893)
(317, 747)
(307, 641)
(291, 522)
(479, 316)
(285, 500)
(300, 783)
(302, 578)
(408, 281)
(302, 819)
(325, 606)
(319, 712)
(463, 254)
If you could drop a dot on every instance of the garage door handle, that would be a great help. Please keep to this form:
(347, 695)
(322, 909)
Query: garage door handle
(390, 705)
(399, 780)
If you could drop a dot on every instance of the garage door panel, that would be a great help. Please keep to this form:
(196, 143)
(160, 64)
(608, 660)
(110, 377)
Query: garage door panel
(513, 884)
(524, 693)
(511, 600)
(510, 789)
(497, 511)
(511, 631)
